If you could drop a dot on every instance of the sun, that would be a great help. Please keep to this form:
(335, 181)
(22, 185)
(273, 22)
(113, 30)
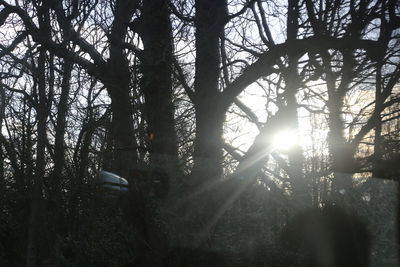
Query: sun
(285, 140)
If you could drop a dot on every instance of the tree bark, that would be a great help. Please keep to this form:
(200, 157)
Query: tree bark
(156, 84)
(342, 161)
(44, 84)
(117, 80)
(59, 151)
(35, 217)
(210, 20)
(2, 115)
(125, 157)
(300, 190)
(341, 152)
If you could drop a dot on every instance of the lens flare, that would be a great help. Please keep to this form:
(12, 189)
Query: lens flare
(285, 140)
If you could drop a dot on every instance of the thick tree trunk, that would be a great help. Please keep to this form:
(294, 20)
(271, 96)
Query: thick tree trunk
(341, 152)
(27, 157)
(300, 190)
(35, 217)
(2, 114)
(125, 158)
(2, 178)
(117, 80)
(157, 87)
(300, 187)
(44, 81)
(59, 150)
(210, 19)
(124, 146)
(59, 147)
(342, 161)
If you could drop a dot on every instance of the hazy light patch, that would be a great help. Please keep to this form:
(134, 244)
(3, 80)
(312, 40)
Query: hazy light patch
(285, 140)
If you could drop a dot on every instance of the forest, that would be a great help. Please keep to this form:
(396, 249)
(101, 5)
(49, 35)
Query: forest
(173, 133)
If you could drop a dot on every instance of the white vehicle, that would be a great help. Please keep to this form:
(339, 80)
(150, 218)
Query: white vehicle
(112, 182)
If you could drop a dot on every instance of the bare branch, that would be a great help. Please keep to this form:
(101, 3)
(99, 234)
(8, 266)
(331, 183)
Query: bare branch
(181, 77)
(57, 49)
(264, 66)
(7, 50)
(178, 14)
(250, 114)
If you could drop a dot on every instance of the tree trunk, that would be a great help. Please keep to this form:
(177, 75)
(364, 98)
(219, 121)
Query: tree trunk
(301, 193)
(2, 114)
(35, 217)
(59, 146)
(117, 80)
(300, 187)
(210, 19)
(341, 152)
(59, 150)
(156, 84)
(125, 157)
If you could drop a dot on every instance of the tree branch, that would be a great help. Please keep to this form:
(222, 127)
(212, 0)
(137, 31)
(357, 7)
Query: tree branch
(264, 66)
(181, 77)
(10, 48)
(58, 49)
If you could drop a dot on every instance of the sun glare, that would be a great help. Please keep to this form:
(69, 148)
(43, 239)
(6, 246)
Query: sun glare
(285, 140)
